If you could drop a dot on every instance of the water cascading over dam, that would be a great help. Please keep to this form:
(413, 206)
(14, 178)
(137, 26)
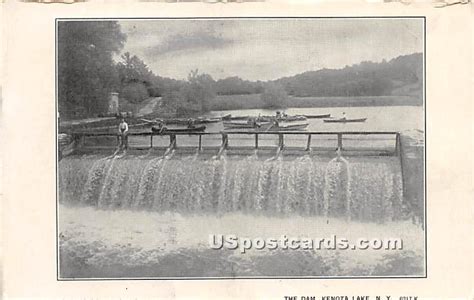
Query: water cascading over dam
(359, 188)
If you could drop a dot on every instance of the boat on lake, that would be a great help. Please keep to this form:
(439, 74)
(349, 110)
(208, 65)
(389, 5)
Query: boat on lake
(207, 120)
(280, 127)
(183, 121)
(229, 117)
(231, 125)
(344, 120)
(318, 116)
(280, 118)
(283, 118)
(200, 128)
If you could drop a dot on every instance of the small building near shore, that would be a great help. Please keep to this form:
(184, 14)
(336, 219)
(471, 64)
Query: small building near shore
(113, 103)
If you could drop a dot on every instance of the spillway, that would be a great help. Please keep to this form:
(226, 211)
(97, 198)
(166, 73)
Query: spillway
(356, 188)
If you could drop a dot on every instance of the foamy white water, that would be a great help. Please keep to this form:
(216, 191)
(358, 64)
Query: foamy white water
(366, 189)
(167, 233)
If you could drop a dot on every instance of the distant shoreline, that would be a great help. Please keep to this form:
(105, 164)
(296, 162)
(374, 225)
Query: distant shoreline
(253, 101)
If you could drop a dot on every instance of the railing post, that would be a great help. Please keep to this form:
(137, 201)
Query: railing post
(151, 140)
(200, 143)
(256, 141)
(339, 141)
(225, 141)
(281, 141)
(308, 145)
(397, 144)
(172, 141)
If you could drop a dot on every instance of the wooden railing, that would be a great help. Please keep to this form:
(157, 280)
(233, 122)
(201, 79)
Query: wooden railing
(225, 136)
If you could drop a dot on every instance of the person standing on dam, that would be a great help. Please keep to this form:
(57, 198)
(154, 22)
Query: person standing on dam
(123, 132)
(191, 123)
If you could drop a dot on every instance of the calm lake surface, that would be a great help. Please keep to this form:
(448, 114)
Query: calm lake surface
(379, 118)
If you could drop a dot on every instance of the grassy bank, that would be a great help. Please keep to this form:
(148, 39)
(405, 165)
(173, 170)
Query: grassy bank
(234, 102)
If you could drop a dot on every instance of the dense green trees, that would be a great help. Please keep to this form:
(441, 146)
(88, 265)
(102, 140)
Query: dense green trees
(134, 92)
(86, 70)
(135, 78)
(274, 96)
(237, 86)
(364, 79)
(193, 96)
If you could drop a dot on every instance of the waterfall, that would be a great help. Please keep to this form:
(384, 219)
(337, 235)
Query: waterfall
(348, 192)
(304, 175)
(262, 183)
(146, 180)
(250, 186)
(161, 188)
(220, 182)
(237, 186)
(106, 186)
(368, 189)
(273, 194)
(337, 186)
(93, 180)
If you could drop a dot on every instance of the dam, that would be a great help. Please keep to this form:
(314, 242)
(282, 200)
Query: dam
(352, 175)
(147, 211)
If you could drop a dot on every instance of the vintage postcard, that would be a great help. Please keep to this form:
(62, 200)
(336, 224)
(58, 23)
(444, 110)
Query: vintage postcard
(177, 159)
(190, 148)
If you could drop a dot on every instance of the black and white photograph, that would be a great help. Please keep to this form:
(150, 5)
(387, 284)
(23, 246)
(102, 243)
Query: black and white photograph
(219, 148)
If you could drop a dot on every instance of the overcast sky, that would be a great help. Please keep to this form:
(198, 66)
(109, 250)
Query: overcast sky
(264, 49)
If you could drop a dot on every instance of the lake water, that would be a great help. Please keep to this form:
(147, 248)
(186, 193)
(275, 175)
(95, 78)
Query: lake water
(379, 118)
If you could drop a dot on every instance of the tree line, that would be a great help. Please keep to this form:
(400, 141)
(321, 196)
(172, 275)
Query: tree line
(89, 68)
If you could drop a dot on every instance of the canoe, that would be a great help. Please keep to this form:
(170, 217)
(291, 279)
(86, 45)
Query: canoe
(345, 120)
(284, 119)
(178, 130)
(227, 126)
(241, 125)
(207, 120)
(318, 116)
(289, 127)
(235, 118)
(229, 117)
(183, 121)
(292, 118)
